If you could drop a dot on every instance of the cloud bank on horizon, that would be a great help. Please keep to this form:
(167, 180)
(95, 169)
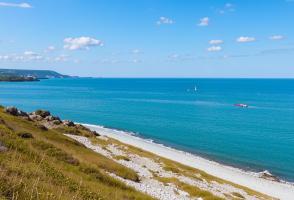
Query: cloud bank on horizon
(17, 5)
(222, 43)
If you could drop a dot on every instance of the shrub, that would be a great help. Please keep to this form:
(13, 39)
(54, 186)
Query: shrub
(2, 121)
(25, 135)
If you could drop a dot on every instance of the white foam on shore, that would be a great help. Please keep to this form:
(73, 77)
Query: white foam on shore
(279, 190)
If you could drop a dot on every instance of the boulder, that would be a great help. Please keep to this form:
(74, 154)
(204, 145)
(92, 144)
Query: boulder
(25, 135)
(42, 113)
(2, 121)
(95, 133)
(52, 118)
(68, 123)
(16, 112)
(267, 175)
(56, 122)
(11, 110)
(2, 147)
(35, 117)
(22, 113)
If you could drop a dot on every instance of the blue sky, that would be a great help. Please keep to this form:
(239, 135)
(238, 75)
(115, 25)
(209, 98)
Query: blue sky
(150, 38)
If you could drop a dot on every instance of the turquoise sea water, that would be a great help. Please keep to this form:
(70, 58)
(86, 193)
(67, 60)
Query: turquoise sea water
(170, 112)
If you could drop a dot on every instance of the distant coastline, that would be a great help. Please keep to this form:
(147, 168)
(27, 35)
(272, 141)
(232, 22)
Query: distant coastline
(18, 75)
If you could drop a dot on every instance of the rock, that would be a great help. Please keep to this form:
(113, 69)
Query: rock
(80, 126)
(42, 113)
(95, 133)
(2, 121)
(25, 135)
(11, 110)
(14, 111)
(56, 122)
(267, 175)
(3, 148)
(22, 113)
(52, 118)
(68, 123)
(35, 117)
(42, 127)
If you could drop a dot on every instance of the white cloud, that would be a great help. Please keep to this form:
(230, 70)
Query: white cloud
(245, 39)
(31, 56)
(50, 48)
(30, 53)
(110, 61)
(24, 57)
(276, 37)
(214, 48)
(81, 43)
(4, 57)
(180, 57)
(136, 61)
(18, 5)
(164, 20)
(136, 51)
(174, 56)
(228, 5)
(214, 42)
(61, 58)
(204, 21)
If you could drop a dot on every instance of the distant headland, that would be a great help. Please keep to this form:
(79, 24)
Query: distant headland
(20, 75)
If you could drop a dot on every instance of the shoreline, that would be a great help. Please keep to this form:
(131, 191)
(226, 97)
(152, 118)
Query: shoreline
(281, 190)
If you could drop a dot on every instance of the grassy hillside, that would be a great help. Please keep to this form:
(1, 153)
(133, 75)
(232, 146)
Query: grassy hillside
(41, 163)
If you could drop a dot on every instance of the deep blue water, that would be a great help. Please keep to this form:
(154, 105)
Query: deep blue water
(170, 112)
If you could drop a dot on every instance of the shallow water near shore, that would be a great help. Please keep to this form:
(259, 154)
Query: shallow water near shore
(171, 112)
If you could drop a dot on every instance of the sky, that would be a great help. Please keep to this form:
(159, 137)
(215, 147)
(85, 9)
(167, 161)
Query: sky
(150, 38)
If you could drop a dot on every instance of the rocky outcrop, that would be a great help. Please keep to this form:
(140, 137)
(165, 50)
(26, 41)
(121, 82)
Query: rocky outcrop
(267, 175)
(15, 112)
(42, 113)
(34, 117)
(45, 120)
(52, 118)
(68, 123)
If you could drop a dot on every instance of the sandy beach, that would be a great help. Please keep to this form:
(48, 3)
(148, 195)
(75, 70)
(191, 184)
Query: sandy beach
(251, 180)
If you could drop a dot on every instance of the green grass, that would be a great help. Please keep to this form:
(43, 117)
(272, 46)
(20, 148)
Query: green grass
(45, 164)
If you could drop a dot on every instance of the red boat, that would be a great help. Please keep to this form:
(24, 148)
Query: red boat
(241, 105)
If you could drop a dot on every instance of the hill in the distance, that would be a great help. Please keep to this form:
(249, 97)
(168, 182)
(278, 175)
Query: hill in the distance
(38, 74)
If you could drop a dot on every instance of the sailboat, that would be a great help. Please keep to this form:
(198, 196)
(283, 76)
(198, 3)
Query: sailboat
(195, 88)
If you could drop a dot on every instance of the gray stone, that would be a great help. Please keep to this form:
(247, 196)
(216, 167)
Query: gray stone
(3, 148)
(68, 123)
(11, 110)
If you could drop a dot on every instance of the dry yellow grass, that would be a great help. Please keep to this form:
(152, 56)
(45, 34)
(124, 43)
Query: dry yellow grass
(49, 165)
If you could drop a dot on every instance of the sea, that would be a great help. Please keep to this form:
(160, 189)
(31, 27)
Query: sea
(196, 115)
